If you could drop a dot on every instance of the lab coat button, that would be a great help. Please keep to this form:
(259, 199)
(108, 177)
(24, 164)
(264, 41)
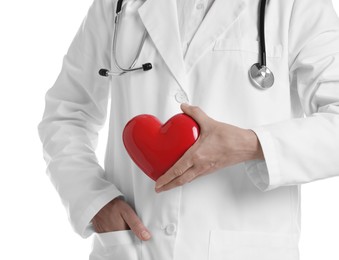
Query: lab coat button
(170, 229)
(181, 97)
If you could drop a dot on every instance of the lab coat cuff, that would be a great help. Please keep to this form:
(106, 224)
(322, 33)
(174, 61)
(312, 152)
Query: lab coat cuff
(265, 174)
(84, 226)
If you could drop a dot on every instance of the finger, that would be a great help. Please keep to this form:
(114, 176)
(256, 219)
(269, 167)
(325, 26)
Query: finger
(109, 219)
(109, 224)
(178, 169)
(135, 224)
(187, 177)
(195, 112)
(98, 228)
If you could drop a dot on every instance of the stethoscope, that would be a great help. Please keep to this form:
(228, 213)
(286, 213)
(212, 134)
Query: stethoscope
(261, 76)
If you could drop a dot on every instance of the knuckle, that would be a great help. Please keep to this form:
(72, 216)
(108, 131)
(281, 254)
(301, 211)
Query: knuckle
(127, 212)
(195, 109)
(205, 168)
(197, 158)
(180, 182)
(190, 180)
(212, 164)
(189, 162)
(118, 204)
(191, 176)
(137, 226)
(123, 207)
(177, 172)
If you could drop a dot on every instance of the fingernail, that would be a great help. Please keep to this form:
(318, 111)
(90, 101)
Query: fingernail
(145, 235)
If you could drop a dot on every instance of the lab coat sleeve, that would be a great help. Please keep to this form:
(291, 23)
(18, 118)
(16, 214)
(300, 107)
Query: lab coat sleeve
(75, 111)
(305, 149)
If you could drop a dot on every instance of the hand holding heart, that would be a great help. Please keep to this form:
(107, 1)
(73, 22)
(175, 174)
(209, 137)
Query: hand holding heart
(219, 145)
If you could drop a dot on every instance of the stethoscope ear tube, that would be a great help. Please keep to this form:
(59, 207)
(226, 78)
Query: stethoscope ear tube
(121, 70)
(147, 66)
(105, 72)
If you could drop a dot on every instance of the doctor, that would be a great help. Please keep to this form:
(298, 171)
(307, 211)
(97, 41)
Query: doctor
(235, 194)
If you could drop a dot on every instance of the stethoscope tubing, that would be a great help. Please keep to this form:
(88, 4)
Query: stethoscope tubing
(260, 75)
(262, 33)
(115, 33)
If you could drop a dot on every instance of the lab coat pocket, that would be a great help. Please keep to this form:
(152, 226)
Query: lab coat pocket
(235, 245)
(116, 245)
(247, 45)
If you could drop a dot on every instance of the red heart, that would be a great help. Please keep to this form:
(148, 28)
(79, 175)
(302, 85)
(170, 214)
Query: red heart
(155, 147)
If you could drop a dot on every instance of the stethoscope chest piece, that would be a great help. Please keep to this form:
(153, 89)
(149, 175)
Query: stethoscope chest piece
(261, 76)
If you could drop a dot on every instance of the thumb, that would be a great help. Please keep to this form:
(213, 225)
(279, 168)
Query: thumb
(195, 112)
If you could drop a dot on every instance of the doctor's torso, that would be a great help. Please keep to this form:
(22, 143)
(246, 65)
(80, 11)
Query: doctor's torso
(201, 53)
(223, 215)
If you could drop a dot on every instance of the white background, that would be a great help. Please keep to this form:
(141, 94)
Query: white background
(34, 36)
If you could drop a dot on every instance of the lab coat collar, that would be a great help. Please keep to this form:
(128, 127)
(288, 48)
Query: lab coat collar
(160, 20)
(218, 19)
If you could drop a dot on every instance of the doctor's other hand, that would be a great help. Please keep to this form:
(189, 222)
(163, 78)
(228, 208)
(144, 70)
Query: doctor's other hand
(117, 215)
(219, 145)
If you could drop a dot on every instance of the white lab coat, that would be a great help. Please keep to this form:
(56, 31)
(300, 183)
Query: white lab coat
(248, 211)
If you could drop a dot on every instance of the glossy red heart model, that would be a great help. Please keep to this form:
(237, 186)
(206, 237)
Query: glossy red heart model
(154, 146)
